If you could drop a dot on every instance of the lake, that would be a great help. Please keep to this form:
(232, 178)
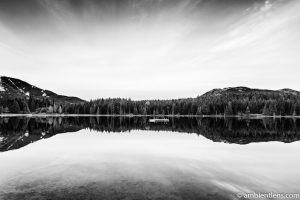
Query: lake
(131, 158)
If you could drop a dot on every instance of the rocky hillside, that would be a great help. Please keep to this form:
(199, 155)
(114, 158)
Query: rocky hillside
(17, 88)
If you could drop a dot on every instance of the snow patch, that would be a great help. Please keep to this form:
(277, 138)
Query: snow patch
(16, 86)
(1, 88)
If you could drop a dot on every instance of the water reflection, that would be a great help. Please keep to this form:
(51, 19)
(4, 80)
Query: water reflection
(128, 158)
(146, 165)
(18, 132)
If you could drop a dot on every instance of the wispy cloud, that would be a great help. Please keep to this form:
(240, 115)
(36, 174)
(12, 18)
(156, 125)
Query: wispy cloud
(149, 45)
(254, 28)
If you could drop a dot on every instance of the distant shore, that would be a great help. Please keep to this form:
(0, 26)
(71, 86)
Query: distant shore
(251, 116)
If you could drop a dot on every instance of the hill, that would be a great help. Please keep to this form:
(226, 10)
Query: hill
(19, 88)
(235, 100)
(246, 91)
(17, 96)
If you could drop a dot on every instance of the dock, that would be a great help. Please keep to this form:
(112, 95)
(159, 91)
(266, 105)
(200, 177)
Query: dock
(159, 120)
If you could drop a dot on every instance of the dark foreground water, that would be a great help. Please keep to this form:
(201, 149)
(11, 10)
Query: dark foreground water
(130, 158)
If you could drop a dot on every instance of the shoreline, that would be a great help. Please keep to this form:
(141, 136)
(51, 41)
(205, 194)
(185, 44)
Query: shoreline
(251, 116)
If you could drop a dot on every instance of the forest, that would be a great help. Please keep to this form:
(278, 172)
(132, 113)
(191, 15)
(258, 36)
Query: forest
(227, 103)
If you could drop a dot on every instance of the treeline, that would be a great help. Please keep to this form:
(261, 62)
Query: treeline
(259, 102)
(228, 103)
(225, 105)
(20, 104)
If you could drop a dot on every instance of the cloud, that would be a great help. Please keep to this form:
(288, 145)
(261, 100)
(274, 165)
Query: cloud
(254, 28)
(150, 45)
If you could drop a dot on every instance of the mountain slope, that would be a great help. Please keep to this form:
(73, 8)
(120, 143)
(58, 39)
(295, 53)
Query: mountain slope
(15, 87)
(234, 100)
(245, 90)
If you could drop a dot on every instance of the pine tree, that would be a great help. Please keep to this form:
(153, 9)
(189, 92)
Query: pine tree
(92, 109)
(265, 110)
(25, 107)
(55, 108)
(60, 111)
(173, 109)
(50, 109)
(228, 109)
(31, 103)
(247, 110)
(15, 108)
(199, 110)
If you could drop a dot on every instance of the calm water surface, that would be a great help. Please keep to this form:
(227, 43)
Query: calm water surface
(130, 158)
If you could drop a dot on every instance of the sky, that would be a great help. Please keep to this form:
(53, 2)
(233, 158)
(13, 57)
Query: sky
(150, 49)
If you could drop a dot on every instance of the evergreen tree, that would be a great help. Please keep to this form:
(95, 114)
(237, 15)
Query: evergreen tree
(55, 108)
(60, 111)
(228, 109)
(31, 103)
(199, 110)
(25, 107)
(15, 108)
(265, 110)
(247, 110)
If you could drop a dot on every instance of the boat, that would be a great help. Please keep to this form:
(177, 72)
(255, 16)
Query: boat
(159, 120)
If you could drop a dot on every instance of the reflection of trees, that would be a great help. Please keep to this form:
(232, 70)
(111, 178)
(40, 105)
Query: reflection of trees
(232, 130)
(243, 131)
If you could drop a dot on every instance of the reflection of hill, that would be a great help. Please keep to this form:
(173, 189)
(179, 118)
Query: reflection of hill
(18, 132)
(243, 132)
